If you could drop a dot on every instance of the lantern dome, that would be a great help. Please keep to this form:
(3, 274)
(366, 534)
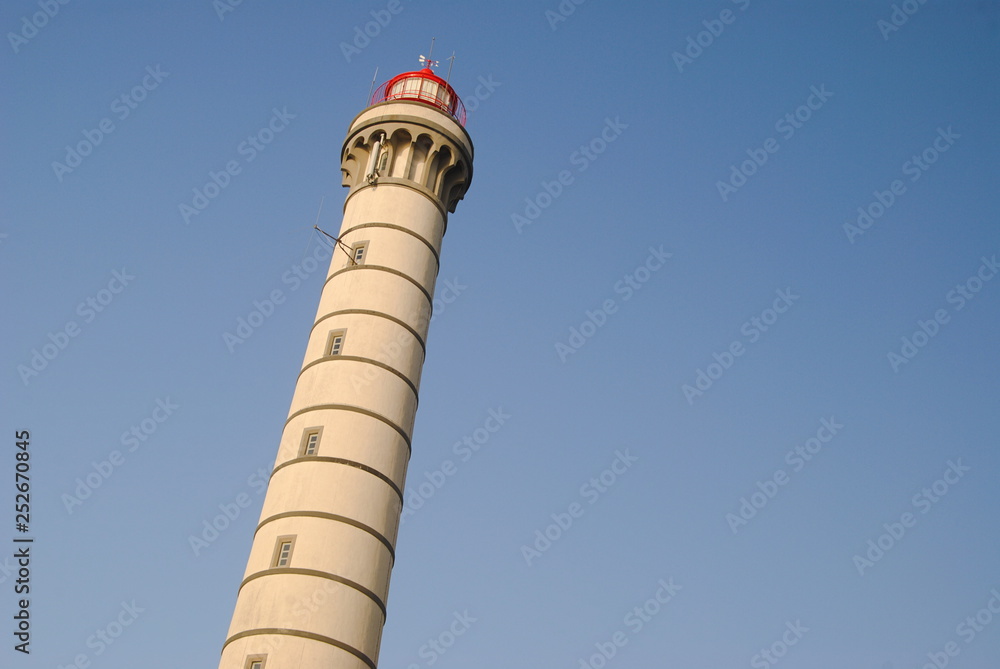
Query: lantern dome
(422, 86)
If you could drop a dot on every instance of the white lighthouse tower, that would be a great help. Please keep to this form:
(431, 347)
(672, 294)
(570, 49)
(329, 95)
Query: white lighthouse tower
(314, 592)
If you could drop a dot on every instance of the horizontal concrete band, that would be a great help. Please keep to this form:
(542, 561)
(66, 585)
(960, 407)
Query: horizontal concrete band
(304, 635)
(364, 412)
(369, 361)
(331, 516)
(381, 268)
(378, 314)
(318, 574)
(342, 461)
(442, 207)
(400, 228)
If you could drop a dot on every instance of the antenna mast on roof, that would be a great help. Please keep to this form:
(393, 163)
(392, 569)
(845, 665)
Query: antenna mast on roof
(427, 62)
(450, 65)
(372, 87)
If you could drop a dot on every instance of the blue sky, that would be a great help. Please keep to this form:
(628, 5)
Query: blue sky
(581, 321)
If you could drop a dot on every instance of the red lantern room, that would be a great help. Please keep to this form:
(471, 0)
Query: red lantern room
(422, 86)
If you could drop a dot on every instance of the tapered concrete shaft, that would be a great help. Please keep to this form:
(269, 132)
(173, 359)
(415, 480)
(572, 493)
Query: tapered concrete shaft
(316, 584)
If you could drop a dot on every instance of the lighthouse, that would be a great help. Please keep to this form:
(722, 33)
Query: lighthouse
(315, 589)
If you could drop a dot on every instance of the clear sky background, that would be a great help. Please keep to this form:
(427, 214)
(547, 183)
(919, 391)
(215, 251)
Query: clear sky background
(539, 90)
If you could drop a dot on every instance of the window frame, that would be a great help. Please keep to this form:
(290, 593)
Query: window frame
(278, 544)
(363, 248)
(306, 434)
(253, 659)
(330, 339)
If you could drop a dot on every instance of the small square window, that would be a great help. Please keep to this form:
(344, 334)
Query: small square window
(310, 441)
(283, 552)
(256, 661)
(358, 252)
(335, 344)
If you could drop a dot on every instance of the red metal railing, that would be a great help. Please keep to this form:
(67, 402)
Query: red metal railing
(444, 97)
